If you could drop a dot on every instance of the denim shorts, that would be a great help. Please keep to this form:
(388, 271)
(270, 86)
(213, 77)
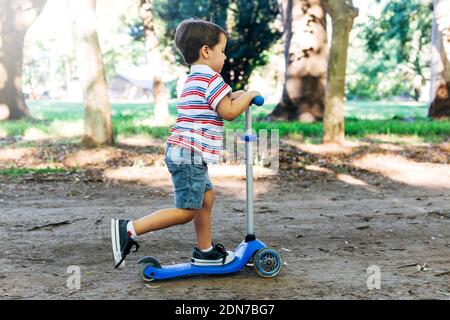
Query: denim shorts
(189, 176)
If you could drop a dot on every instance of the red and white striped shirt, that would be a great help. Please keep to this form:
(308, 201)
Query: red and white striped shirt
(198, 125)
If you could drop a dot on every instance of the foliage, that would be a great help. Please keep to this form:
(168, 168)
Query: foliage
(395, 58)
(250, 25)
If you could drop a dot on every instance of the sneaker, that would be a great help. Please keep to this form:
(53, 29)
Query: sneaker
(217, 256)
(121, 241)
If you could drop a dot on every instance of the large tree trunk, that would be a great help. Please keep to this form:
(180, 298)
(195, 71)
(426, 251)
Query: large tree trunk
(440, 61)
(306, 55)
(15, 18)
(161, 106)
(342, 13)
(97, 115)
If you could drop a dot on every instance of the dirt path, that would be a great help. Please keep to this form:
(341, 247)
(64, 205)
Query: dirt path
(329, 231)
(329, 234)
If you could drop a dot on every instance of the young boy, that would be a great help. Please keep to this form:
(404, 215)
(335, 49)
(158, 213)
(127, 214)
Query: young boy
(196, 140)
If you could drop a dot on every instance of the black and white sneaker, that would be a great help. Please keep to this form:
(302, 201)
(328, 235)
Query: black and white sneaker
(121, 241)
(217, 256)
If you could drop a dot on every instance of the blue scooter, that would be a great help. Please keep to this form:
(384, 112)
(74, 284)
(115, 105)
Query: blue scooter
(266, 261)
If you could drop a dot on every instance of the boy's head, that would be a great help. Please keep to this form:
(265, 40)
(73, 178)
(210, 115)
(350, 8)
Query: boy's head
(200, 41)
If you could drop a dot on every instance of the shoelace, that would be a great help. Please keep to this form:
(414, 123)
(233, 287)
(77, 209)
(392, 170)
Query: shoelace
(126, 250)
(219, 247)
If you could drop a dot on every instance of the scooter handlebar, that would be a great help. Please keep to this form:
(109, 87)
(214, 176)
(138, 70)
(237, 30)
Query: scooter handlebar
(258, 101)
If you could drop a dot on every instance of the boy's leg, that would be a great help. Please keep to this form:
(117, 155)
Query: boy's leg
(202, 221)
(162, 219)
(121, 236)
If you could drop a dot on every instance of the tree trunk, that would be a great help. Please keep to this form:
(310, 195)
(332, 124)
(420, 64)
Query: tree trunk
(342, 14)
(161, 106)
(15, 19)
(97, 115)
(440, 61)
(306, 55)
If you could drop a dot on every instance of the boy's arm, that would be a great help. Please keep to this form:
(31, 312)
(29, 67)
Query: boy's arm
(235, 95)
(231, 109)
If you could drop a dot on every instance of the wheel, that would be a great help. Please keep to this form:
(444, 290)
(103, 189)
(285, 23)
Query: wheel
(147, 262)
(268, 262)
(142, 270)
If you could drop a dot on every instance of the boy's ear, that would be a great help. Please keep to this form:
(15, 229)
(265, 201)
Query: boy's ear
(204, 52)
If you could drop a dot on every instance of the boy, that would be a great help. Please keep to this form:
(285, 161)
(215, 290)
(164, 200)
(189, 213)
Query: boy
(196, 140)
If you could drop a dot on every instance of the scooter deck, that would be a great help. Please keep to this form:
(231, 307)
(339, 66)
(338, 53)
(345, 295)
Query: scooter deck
(243, 254)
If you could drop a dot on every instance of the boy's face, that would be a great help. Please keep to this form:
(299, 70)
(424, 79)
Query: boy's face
(217, 54)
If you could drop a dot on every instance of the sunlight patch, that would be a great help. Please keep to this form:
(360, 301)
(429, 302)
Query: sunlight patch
(392, 138)
(13, 154)
(238, 171)
(346, 148)
(401, 169)
(159, 176)
(67, 129)
(34, 134)
(4, 112)
(140, 141)
(91, 157)
(319, 169)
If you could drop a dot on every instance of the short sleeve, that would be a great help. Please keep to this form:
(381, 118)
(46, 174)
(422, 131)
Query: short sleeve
(216, 90)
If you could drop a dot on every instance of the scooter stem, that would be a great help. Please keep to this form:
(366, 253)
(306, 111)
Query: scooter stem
(249, 172)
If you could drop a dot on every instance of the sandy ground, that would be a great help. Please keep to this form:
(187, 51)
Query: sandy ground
(330, 228)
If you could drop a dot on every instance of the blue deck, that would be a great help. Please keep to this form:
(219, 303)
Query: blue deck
(243, 253)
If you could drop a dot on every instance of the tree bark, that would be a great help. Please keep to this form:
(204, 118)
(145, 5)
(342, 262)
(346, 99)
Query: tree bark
(342, 14)
(15, 19)
(97, 115)
(161, 106)
(440, 61)
(306, 55)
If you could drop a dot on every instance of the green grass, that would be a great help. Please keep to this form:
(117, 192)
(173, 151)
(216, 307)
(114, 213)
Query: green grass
(16, 172)
(362, 118)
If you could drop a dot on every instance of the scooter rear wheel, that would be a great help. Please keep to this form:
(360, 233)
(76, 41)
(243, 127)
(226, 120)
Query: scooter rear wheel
(268, 262)
(147, 262)
(143, 275)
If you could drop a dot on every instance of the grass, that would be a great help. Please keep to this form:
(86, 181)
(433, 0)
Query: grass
(362, 118)
(16, 172)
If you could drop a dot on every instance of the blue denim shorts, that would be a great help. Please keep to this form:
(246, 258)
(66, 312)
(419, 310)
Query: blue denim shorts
(189, 176)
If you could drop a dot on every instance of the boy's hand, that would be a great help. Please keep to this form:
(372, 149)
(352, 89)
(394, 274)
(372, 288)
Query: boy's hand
(230, 109)
(255, 93)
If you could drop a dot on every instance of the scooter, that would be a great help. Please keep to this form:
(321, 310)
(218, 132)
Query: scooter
(266, 261)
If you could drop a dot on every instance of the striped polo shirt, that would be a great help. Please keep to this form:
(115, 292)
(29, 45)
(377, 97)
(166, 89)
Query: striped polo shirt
(199, 126)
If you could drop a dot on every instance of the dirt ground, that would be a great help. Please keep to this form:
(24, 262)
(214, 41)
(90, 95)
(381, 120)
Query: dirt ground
(333, 216)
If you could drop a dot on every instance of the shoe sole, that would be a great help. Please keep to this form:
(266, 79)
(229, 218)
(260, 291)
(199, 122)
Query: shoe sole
(115, 242)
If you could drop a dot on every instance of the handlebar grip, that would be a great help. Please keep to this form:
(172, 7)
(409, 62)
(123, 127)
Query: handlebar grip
(258, 101)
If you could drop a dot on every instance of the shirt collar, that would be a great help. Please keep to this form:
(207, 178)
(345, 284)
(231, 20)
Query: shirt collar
(202, 68)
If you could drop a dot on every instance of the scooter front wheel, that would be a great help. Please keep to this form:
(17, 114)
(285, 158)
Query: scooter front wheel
(267, 262)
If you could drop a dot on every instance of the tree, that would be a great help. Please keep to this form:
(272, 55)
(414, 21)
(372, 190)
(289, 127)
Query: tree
(161, 106)
(97, 116)
(15, 18)
(440, 67)
(396, 42)
(248, 22)
(306, 55)
(342, 13)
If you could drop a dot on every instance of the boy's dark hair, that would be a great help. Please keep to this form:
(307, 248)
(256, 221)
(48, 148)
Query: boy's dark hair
(192, 34)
